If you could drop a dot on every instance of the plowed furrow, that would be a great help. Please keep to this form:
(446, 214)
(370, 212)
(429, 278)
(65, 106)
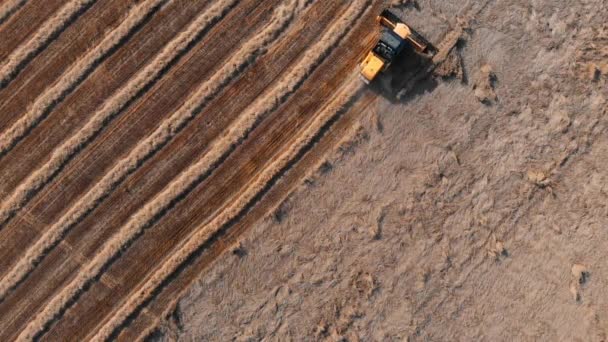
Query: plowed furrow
(283, 15)
(248, 195)
(111, 107)
(76, 74)
(10, 7)
(47, 32)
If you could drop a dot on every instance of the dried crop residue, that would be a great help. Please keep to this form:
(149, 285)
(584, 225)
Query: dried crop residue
(304, 67)
(163, 302)
(484, 85)
(53, 245)
(108, 110)
(76, 74)
(168, 129)
(60, 157)
(49, 29)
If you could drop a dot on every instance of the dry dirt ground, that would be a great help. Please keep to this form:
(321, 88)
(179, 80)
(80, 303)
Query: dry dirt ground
(474, 209)
(213, 170)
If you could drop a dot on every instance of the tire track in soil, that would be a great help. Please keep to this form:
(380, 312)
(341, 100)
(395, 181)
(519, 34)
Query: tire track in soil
(246, 199)
(150, 145)
(110, 108)
(255, 18)
(21, 24)
(43, 105)
(49, 31)
(71, 114)
(9, 8)
(59, 303)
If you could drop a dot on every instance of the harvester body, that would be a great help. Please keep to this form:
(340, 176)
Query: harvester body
(394, 37)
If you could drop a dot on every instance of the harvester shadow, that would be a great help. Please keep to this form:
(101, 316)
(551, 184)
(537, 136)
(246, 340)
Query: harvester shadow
(408, 76)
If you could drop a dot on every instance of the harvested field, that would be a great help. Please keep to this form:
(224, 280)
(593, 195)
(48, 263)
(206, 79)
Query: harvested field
(215, 170)
(137, 136)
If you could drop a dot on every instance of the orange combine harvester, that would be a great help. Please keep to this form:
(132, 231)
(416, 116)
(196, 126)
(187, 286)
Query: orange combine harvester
(395, 36)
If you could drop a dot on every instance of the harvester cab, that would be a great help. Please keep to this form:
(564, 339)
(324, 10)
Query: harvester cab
(394, 37)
